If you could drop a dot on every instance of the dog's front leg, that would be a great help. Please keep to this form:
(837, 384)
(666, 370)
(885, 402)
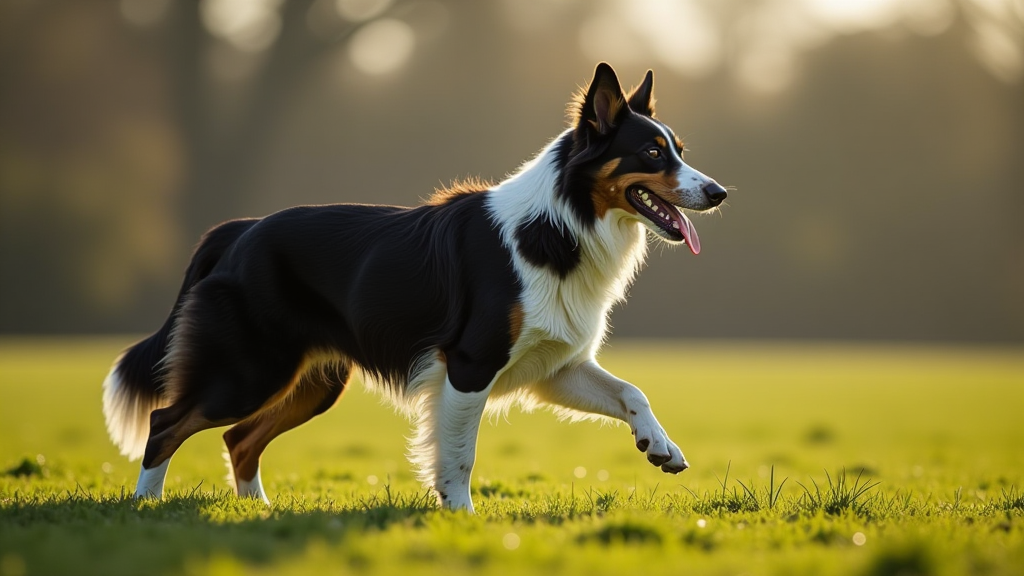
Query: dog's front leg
(586, 387)
(444, 446)
(459, 424)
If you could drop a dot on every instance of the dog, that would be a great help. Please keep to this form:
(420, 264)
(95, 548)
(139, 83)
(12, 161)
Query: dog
(486, 296)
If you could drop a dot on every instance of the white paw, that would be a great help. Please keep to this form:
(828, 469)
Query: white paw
(651, 438)
(677, 462)
(458, 499)
(253, 489)
(142, 494)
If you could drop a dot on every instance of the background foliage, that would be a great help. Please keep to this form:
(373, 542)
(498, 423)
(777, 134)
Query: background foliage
(875, 147)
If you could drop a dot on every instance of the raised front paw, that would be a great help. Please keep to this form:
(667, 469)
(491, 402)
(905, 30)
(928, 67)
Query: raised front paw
(660, 450)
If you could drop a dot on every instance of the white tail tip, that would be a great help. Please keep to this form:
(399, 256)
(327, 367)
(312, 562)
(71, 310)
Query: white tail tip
(127, 414)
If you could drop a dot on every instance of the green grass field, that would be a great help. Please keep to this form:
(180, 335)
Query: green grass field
(805, 460)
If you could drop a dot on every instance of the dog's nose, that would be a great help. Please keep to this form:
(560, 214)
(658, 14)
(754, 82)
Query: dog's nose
(715, 193)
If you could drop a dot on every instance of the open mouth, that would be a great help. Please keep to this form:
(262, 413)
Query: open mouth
(673, 224)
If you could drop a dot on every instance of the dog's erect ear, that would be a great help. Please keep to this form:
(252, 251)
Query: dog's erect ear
(641, 99)
(603, 102)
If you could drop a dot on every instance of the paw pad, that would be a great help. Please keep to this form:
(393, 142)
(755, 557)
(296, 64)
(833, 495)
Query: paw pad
(658, 459)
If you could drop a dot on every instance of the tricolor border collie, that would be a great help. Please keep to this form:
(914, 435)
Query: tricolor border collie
(486, 296)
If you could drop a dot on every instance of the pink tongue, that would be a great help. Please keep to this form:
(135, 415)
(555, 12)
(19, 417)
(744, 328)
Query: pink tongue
(689, 232)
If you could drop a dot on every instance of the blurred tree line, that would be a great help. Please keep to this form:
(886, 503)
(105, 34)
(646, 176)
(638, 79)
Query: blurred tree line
(879, 172)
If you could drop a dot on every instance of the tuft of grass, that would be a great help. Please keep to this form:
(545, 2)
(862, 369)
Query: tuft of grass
(741, 497)
(1010, 500)
(839, 497)
(726, 500)
(25, 469)
(769, 498)
(820, 434)
(910, 559)
(628, 531)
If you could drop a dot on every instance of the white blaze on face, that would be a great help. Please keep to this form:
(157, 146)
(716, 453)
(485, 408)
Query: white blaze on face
(691, 178)
(690, 181)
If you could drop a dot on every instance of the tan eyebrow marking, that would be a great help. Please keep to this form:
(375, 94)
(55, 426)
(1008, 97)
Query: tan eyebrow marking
(661, 141)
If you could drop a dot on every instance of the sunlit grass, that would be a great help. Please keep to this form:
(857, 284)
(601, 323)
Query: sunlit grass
(806, 460)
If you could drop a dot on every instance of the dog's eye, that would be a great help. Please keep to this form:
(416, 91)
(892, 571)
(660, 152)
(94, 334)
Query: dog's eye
(654, 153)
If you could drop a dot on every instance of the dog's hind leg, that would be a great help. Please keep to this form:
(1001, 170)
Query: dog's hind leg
(168, 429)
(317, 391)
(221, 369)
(221, 402)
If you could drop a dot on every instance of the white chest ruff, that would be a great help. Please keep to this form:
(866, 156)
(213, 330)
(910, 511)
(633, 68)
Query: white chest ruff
(565, 320)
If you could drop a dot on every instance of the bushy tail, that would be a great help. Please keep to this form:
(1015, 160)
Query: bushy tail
(132, 389)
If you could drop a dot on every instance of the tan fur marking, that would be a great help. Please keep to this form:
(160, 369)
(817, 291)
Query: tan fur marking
(607, 193)
(515, 322)
(247, 441)
(241, 441)
(309, 366)
(617, 104)
(633, 91)
(176, 434)
(574, 110)
(610, 191)
(286, 391)
(664, 185)
(459, 188)
(661, 141)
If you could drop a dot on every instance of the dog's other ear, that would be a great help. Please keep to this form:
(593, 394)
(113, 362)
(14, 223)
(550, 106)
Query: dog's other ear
(641, 99)
(603, 103)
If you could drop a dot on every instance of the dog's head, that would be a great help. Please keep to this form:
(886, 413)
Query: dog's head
(623, 159)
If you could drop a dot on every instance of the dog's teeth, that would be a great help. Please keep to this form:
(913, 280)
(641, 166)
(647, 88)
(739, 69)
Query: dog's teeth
(648, 202)
(644, 195)
(675, 225)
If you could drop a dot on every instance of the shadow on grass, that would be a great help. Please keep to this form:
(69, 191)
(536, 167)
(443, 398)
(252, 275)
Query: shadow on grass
(82, 534)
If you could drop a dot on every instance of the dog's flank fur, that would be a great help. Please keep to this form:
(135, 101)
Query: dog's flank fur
(485, 296)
